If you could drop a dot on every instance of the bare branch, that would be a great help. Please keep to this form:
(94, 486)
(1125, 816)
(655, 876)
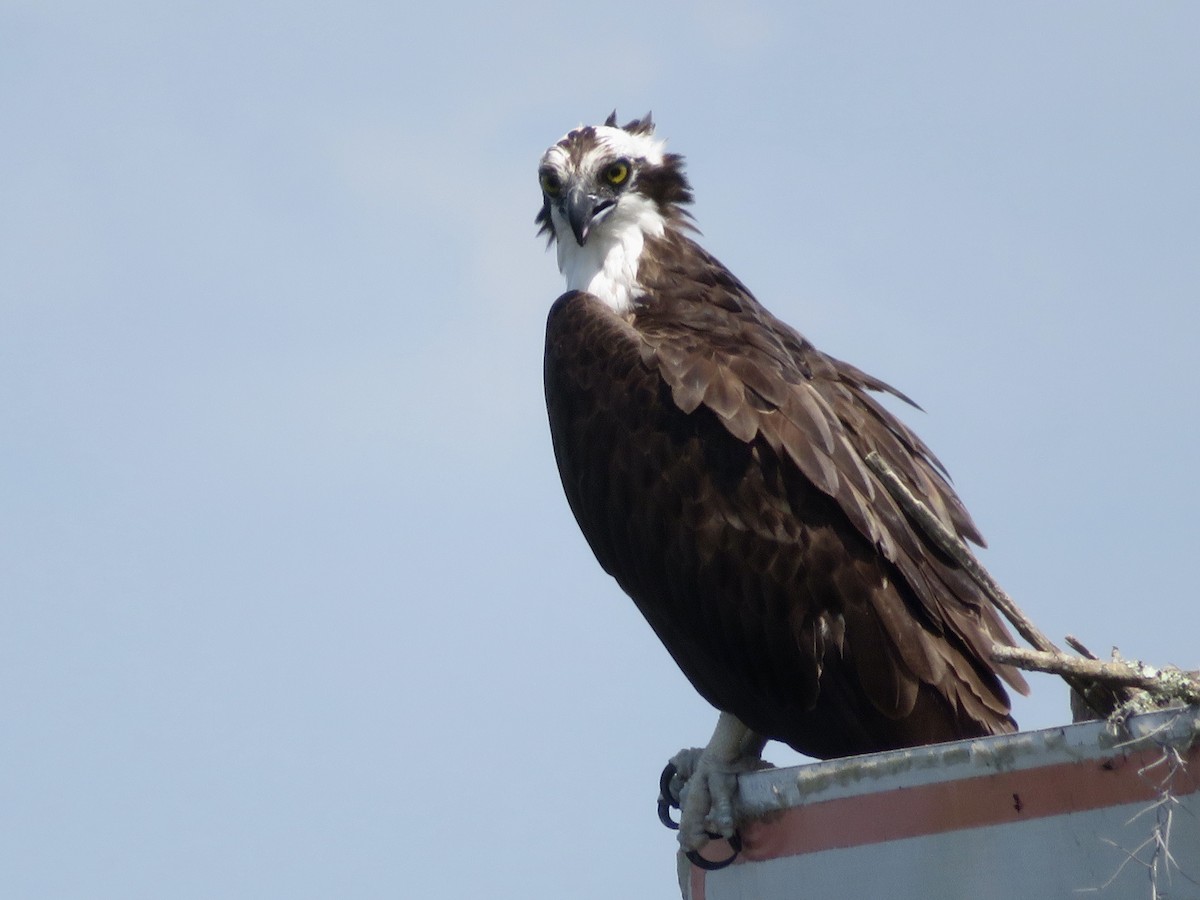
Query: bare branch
(1077, 645)
(1102, 698)
(1168, 682)
(950, 544)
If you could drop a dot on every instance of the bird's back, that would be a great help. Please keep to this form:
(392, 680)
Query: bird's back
(714, 461)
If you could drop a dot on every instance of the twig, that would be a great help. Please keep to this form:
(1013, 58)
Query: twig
(1170, 681)
(1077, 645)
(1102, 699)
(950, 544)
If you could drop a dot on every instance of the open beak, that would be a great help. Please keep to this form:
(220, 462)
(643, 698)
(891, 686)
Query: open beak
(581, 209)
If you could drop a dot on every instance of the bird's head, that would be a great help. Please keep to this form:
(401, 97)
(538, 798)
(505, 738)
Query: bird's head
(607, 179)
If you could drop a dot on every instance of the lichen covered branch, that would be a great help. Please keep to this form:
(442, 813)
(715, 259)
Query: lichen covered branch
(1168, 683)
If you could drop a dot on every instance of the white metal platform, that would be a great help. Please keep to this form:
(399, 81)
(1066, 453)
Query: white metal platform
(1071, 812)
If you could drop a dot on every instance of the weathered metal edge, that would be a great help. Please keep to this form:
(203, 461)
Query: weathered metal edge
(774, 789)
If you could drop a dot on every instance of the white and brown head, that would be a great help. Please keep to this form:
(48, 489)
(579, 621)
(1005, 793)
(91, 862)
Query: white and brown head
(606, 190)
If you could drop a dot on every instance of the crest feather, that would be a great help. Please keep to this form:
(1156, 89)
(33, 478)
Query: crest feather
(644, 125)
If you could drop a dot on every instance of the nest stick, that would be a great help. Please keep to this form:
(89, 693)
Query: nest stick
(1102, 702)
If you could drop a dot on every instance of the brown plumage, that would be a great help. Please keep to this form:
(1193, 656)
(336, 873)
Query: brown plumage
(714, 461)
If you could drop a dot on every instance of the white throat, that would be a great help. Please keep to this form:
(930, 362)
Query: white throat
(607, 264)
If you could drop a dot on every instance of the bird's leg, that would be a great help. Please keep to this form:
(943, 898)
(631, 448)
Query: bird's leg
(705, 781)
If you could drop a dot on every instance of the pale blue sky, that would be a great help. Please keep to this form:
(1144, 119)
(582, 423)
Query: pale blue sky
(293, 604)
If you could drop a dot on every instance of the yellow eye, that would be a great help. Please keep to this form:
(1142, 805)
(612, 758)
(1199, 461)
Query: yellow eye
(550, 182)
(617, 173)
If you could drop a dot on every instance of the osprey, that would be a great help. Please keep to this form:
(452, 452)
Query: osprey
(715, 462)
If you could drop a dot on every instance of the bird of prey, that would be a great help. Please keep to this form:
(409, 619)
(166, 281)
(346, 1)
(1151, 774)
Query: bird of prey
(715, 462)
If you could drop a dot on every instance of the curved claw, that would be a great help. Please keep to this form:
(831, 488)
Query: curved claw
(711, 865)
(666, 802)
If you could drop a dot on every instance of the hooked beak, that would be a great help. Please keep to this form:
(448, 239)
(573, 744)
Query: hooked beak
(581, 209)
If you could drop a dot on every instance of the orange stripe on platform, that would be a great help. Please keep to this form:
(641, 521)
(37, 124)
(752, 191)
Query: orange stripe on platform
(998, 799)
